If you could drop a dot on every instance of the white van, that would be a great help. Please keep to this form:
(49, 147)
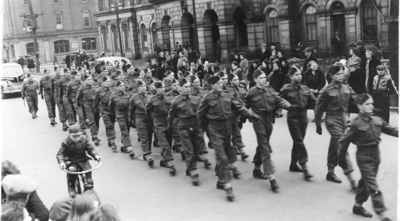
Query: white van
(11, 78)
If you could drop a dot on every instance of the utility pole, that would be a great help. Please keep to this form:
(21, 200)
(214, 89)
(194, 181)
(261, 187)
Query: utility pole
(116, 8)
(196, 42)
(32, 16)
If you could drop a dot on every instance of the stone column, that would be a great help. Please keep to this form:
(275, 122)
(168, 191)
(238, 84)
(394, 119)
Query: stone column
(200, 34)
(351, 27)
(110, 41)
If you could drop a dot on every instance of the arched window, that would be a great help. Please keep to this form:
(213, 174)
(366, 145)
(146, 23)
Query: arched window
(369, 21)
(89, 43)
(59, 18)
(61, 46)
(310, 23)
(272, 26)
(30, 48)
(86, 18)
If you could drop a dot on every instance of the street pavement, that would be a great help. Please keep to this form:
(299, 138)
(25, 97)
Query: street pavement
(140, 193)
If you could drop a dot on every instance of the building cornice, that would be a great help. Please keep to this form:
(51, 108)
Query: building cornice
(53, 34)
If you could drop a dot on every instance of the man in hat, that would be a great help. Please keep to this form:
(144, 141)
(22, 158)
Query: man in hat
(215, 115)
(46, 90)
(29, 93)
(334, 100)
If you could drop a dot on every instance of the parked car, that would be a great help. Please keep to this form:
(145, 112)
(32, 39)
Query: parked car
(11, 76)
(110, 61)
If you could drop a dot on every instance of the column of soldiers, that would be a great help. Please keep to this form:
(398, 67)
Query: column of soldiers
(177, 114)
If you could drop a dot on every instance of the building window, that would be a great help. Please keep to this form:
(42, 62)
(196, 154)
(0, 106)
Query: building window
(310, 21)
(30, 48)
(58, 19)
(272, 26)
(86, 18)
(101, 5)
(369, 21)
(61, 46)
(89, 43)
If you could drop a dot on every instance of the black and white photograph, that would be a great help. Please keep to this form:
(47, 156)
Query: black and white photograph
(192, 110)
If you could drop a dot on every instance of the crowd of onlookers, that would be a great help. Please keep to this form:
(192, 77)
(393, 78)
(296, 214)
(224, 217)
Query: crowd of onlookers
(20, 201)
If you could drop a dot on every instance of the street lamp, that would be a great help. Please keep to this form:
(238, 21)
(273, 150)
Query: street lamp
(115, 7)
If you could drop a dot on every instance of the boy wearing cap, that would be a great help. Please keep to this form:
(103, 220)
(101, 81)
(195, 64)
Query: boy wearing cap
(264, 100)
(382, 86)
(299, 96)
(215, 115)
(364, 132)
(72, 155)
(334, 99)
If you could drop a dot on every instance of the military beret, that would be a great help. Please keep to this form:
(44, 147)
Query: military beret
(213, 79)
(257, 73)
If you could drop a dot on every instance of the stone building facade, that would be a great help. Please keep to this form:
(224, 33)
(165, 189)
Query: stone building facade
(64, 26)
(218, 27)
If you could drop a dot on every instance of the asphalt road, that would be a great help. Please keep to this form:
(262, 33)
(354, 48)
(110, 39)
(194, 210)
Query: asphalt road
(140, 193)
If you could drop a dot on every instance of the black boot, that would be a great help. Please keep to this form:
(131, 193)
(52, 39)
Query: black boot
(206, 162)
(64, 126)
(52, 122)
(307, 175)
(331, 176)
(258, 174)
(229, 194)
(150, 162)
(195, 179)
(220, 185)
(295, 168)
(274, 186)
(235, 172)
(361, 211)
(96, 140)
(171, 167)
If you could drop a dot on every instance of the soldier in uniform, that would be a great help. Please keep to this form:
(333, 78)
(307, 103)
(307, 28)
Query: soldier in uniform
(72, 91)
(215, 116)
(141, 120)
(158, 108)
(264, 100)
(364, 132)
(300, 97)
(58, 80)
(119, 105)
(69, 109)
(29, 93)
(171, 92)
(86, 100)
(102, 101)
(184, 109)
(232, 87)
(334, 100)
(46, 90)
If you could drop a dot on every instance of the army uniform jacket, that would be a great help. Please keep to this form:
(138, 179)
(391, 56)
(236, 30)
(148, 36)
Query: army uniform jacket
(299, 96)
(334, 99)
(265, 100)
(29, 88)
(73, 88)
(46, 85)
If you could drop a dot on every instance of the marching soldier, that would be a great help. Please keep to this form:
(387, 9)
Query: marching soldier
(170, 93)
(158, 108)
(215, 115)
(184, 109)
(46, 90)
(72, 91)
(119, 105)
(264, 100)
(29, 93)
(141, 120)
(334, 100)
(58, 80)
(86, 100)
(102, 101)
(364, 132)
(300, 97)
(69, 109)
